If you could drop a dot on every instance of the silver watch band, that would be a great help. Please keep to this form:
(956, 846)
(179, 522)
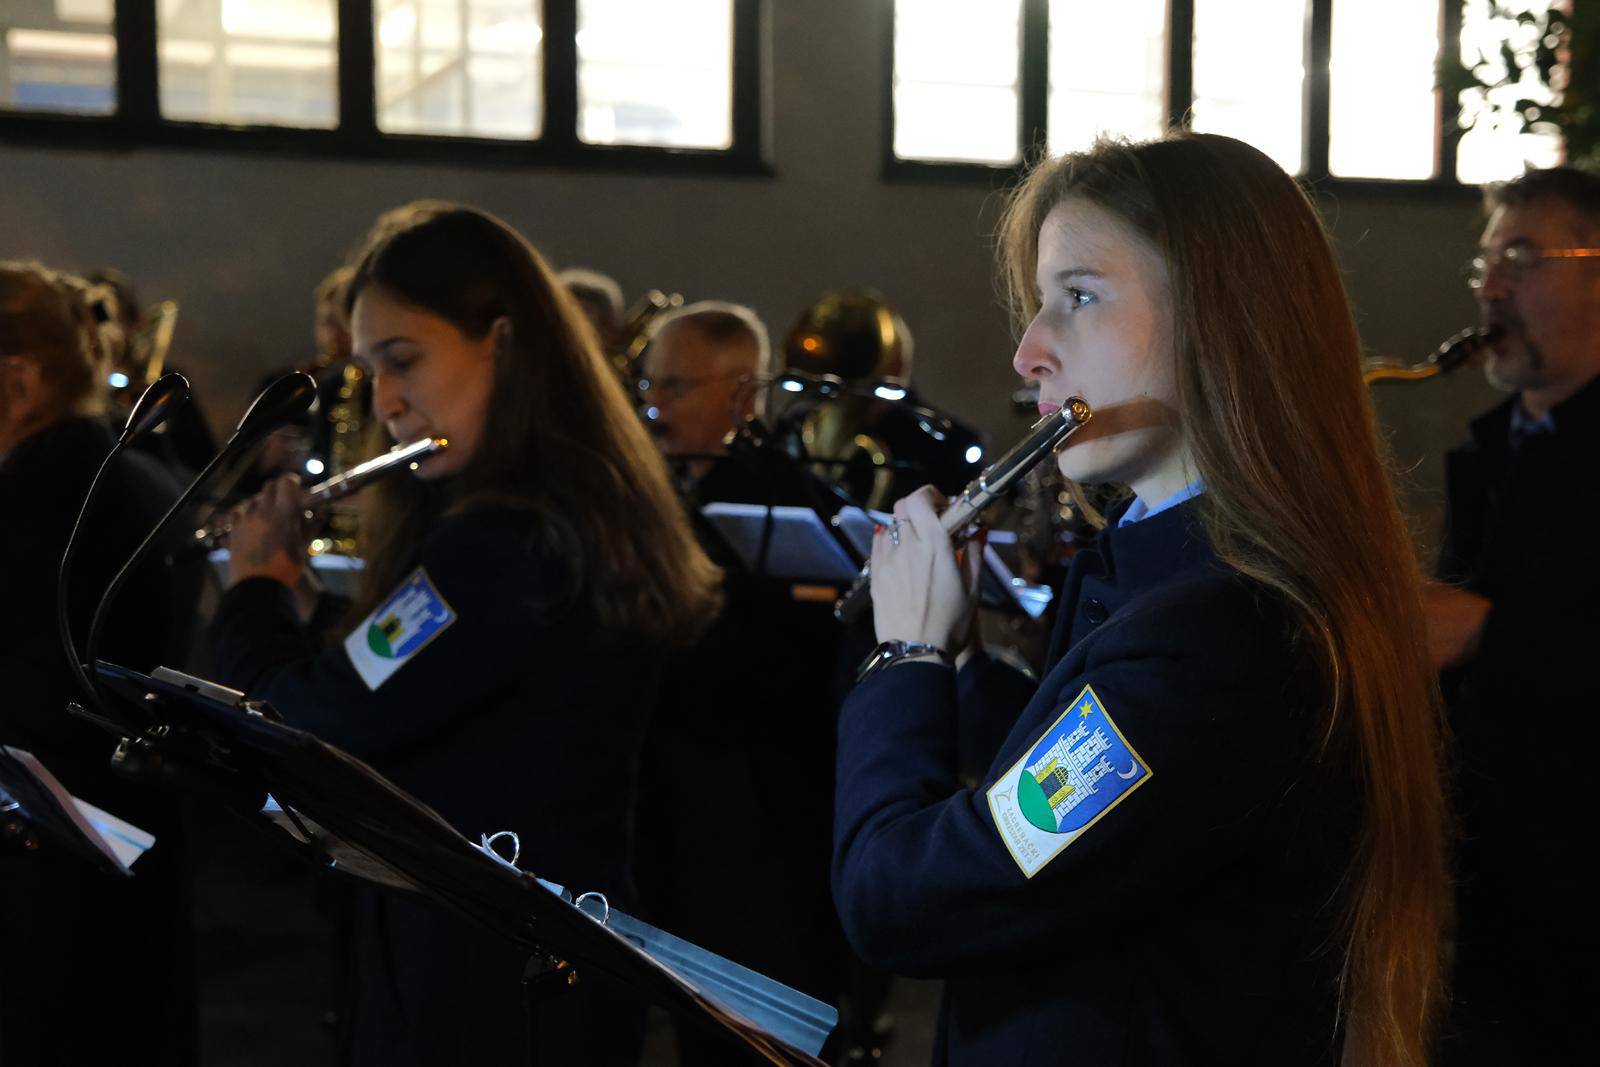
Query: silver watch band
(891, 652)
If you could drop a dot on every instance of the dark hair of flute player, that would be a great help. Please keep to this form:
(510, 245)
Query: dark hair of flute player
(1216, 832)
(518, 597)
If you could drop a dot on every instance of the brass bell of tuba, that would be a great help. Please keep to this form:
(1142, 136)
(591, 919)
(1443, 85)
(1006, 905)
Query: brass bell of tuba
(851, 335)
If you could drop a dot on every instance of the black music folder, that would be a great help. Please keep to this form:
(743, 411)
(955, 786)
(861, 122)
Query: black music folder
(357, 821)
(54, 818)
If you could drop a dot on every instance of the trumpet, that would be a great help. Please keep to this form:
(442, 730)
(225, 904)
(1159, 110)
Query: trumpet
(342, 485)
(1455, 351)
(1044, 438)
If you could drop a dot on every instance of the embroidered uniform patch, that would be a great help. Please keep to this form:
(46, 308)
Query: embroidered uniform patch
(1078, 771)
(401, 627)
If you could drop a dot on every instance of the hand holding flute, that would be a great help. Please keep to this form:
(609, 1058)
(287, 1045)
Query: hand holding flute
(922, 591)
(267, 534)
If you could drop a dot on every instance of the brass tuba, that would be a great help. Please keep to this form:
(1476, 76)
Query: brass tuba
(851, 335)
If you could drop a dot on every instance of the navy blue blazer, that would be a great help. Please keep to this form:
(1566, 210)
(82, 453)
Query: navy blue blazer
(1187, 923)
(511, 717)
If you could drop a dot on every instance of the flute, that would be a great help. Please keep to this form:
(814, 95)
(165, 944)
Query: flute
(1043, 439)
(342, 485)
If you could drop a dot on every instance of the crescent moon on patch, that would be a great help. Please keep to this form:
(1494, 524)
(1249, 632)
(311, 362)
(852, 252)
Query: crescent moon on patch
(1130, 772)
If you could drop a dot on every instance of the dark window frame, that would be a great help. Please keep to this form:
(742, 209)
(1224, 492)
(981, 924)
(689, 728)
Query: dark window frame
(1034, 104)
(137, 121)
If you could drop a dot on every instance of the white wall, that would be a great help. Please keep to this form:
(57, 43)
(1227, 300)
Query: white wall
(240, 240)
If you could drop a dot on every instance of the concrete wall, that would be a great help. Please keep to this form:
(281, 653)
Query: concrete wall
(239, 239)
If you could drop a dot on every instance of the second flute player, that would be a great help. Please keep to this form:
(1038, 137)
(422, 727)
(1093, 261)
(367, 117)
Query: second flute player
(1215, 833)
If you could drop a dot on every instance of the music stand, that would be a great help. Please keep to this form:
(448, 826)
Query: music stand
(798, 544)
(366, 825)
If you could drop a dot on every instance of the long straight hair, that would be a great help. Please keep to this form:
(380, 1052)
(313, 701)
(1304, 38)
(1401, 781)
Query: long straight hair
(1282, 432)
(561, 440)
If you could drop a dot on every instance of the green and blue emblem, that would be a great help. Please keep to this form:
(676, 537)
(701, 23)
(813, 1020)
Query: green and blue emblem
(1077, 772)
(398, 629)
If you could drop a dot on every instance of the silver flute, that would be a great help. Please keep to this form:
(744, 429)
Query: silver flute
(957, 518)
(340, 486)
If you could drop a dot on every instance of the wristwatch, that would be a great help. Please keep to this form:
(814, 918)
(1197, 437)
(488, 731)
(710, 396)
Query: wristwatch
(891, 652)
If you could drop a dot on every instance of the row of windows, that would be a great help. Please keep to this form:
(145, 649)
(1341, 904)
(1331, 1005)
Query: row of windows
(647, 73)
(657, 74)
(961, 70)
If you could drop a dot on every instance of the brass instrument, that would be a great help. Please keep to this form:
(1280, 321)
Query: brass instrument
(1455, 351)
(633, 336)
(1042, 440)
(853, 336)
(400, 457)
(148, 347)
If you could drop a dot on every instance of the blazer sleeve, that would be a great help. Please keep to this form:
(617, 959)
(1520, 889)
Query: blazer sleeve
(481, 567)
(990, 694)
(924, 882)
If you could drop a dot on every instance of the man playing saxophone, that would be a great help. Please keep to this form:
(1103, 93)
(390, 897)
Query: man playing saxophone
(1514, 622)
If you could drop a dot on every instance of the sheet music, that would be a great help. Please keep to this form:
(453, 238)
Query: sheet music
(120, 841)
(798, 546)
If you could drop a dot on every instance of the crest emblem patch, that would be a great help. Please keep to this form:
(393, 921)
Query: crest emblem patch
(398, 629)
(1077, 772)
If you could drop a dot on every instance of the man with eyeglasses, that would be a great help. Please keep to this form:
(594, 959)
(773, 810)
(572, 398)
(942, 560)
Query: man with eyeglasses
(698, 379)
(1514, 623)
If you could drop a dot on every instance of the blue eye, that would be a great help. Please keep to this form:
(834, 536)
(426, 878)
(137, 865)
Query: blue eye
(1077, 298)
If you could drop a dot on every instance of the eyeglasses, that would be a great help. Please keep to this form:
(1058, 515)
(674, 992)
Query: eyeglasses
(1516, 261)
(678, 388)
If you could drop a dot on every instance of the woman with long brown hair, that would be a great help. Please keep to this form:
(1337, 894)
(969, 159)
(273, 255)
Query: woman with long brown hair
(65, 930)
(518, 598)
(1216, 833)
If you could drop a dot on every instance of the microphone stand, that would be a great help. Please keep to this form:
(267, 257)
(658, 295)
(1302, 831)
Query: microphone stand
(283, 400)
(161, 399)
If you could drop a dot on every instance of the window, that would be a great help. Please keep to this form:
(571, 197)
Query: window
(248, 62)
(1383, 110)
(466, 68)
(651, 73)
(1250, 74)
(1489, 148)
(1342, 88)
(590, 82)
(58, 57)
(1108, 71)
(956, 89)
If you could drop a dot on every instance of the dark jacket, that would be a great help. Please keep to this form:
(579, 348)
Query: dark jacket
(760, 680)
(1521, 530)
(506, 719)
(1184, 925)
(66, 930)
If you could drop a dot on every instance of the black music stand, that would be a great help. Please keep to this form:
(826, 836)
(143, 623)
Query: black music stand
(358, 821)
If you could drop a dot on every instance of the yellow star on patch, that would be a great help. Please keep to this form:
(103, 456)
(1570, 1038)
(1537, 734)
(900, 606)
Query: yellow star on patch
(1086, 710)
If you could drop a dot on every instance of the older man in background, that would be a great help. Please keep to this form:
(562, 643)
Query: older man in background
(699, 379)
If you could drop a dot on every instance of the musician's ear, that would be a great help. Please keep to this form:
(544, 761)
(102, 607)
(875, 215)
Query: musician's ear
(500, 330)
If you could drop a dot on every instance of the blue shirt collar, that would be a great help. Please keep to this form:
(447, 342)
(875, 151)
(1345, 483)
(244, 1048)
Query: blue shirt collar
(1525, 425)
(1140, 510)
